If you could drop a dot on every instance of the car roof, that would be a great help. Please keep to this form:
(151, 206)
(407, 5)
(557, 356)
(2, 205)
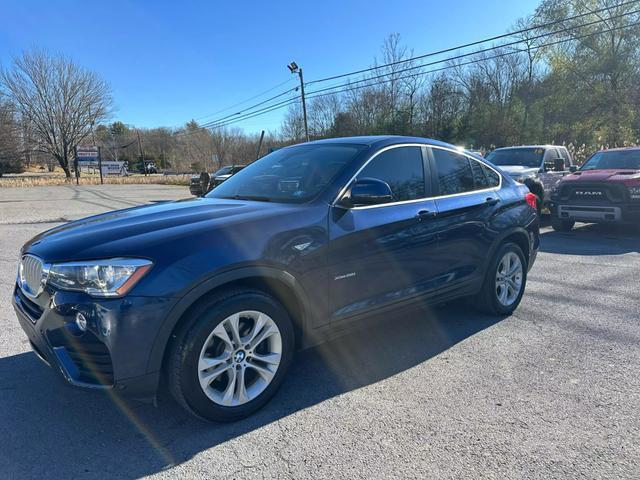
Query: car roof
(384, 140)
(620, 149)
(530, 146)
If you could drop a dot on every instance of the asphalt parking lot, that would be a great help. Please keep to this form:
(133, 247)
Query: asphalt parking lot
(550, 392)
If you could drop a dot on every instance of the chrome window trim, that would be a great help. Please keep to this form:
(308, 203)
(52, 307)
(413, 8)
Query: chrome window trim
(423, 199)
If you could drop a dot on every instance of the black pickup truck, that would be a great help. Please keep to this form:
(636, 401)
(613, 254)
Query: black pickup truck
(210, 181)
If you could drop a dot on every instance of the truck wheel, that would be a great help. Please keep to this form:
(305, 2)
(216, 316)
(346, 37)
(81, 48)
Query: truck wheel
(231, 355)
(560, 225)
(504, 282)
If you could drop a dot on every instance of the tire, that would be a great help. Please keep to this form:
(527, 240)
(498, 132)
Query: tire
(560, 225)
(229, 394)
(489, 299)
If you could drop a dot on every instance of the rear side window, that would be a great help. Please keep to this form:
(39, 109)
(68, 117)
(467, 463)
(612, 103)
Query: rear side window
(454, 172)
(402, 169)
(483, 176)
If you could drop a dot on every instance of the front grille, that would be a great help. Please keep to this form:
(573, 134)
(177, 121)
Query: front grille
(593, 193)
(31, 275)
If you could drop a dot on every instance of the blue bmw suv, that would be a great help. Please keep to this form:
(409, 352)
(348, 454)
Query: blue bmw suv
(212, 296)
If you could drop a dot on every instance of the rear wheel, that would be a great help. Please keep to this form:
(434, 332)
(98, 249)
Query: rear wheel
(504, 282)
(561, 225)
(231, 356)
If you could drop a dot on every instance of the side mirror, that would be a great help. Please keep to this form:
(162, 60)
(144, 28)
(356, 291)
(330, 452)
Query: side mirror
(558, 164)
(573, 168)
(367, 191)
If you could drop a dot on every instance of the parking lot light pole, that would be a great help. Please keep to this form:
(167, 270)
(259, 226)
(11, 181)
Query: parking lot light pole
(294, 68)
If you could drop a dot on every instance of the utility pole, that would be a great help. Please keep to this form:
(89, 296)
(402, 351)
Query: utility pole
(100, 165)
(144, 164)
(294, 68)
(260, 145)
(75, 164)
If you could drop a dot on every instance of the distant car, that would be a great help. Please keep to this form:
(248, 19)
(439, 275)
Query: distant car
(539, 167)
(197, 181)
(152, 168)
(606, 189)
(218, 178)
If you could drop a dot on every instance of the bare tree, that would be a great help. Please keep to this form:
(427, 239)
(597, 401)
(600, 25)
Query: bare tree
(10, 157)
(60, 100)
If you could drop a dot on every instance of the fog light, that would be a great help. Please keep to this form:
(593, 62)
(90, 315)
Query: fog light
(81, 322)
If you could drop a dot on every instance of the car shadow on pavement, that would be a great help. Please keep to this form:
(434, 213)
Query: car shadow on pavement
(50, 430)
(592, 239)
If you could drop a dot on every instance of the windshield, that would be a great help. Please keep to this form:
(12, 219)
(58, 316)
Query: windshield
(294, 174)
(614, 160)
(524, 157)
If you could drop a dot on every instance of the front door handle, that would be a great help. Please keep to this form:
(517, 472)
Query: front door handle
(492, 201)
(422, 214)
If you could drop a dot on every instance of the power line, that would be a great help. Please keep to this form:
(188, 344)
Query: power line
(258, 95)
(477, 52)
(472, 44)
(248, 113)
(471, 62)
(215, 125)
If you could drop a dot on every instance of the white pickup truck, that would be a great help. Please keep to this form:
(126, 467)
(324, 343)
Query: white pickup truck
(539, 167)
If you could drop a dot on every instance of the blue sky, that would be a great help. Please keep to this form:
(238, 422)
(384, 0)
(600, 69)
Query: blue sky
(168, 62)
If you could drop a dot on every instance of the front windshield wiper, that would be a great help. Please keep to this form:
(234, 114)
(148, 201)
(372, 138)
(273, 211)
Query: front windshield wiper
(256, 198)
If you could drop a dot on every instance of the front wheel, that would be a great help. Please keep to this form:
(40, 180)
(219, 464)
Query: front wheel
(231, 356)
(504, 282)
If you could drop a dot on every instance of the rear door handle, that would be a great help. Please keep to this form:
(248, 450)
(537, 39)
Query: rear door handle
(422, 214)
(492, 201)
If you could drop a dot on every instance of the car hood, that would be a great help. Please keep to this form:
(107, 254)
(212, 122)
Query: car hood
(135, 230)
(623, 176)
(518, 170)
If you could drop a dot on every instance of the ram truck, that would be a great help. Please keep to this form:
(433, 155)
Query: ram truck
(606, 189)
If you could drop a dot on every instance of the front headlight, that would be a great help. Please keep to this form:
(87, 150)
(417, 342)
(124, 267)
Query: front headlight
(634, 192)
(99, 278)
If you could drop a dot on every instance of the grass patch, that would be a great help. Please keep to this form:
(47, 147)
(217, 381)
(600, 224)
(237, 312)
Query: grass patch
(53, 179)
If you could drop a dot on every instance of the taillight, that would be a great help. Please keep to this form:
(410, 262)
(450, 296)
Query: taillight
(532, 200)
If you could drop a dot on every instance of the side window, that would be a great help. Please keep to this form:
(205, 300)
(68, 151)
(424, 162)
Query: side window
(454, 172)
(550, 155)
(483, 176)
(402, 169)
(565, 155)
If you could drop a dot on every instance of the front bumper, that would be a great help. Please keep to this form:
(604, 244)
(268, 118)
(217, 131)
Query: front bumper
(602, 212)
(112, 354)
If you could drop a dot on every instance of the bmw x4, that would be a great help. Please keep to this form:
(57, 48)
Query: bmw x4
(212, 296)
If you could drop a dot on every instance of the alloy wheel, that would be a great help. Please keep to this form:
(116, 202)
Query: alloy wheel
(240, 358)
(509, 279)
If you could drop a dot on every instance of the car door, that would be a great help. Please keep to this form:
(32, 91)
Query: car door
(467, 202)
(382, 254)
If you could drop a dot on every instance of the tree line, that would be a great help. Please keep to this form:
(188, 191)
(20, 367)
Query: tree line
(574, 81)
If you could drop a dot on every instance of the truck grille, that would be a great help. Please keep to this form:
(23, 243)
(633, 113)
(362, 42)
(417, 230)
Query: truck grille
(31, 275)
(593, 193)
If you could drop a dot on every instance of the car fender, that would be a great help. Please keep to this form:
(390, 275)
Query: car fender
(197, 292)
(499, 240)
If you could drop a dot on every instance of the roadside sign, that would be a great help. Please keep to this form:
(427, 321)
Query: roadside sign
(87, 154)
(114, 168)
